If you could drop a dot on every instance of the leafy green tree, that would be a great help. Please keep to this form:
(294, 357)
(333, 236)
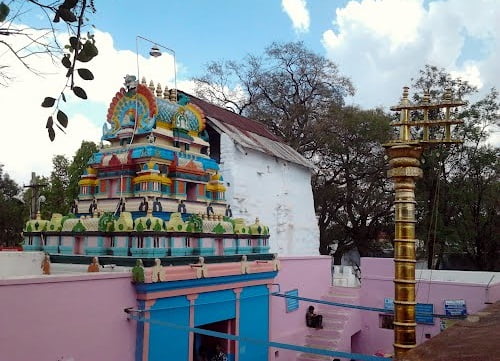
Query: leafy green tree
(13, 211)
(456, 210)
(352, 194)
(77, 166)
(56, 192)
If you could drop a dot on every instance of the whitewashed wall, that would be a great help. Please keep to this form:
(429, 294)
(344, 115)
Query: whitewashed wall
(276, 191)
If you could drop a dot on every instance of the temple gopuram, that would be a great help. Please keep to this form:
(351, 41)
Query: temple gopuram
(152, 190)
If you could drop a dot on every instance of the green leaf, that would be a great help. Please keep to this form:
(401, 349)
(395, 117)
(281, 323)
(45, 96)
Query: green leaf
(50, 122)
(85, 74)
(4, 11)
(48, 102)
(74, 42)
(52, 134)
(62, 118)
(66, 14)
(66, 62)
(79, 92)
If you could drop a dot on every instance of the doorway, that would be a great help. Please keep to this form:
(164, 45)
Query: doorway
(205, 346)
(191, 191)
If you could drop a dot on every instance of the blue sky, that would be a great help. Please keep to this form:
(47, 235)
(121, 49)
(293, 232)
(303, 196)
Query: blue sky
(379, 44)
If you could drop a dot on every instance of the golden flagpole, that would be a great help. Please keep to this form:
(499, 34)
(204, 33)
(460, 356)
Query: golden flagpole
(404, 162)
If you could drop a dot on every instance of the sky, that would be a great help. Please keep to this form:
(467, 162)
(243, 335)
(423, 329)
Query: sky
(379, 44)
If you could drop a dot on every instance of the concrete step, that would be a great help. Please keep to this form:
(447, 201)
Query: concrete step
(334, 323)
(330, 333)
(335, 314)
(322, 342)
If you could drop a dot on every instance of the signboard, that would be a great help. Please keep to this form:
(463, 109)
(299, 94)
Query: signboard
(389, 304)
(292, 304)
(455, 308)
(423, 311)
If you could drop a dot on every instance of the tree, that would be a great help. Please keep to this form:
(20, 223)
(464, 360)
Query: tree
(13, 212)
(77, 167)
(56, 193)
(80, 48)
(289, 88)
(352, 195)
(457, 210)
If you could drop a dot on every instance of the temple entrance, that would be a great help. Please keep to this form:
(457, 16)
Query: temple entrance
(204, 347)
(191, 191)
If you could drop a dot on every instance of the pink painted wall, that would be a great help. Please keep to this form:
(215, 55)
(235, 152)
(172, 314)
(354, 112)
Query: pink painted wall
(312, 277)
(377, 284)
(79, 316)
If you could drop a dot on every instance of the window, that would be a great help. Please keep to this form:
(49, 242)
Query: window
(188, 242)
(176, 144)
(386, 321)
(186, 147)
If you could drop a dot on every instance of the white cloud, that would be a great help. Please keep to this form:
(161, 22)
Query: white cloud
(382, 44)
(298, 13)
(25, 146)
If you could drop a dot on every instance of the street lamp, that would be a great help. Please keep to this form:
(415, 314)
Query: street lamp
(155, 52)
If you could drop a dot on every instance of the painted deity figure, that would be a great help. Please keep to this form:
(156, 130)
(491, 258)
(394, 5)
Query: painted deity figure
(181, 208)
(157, 207)
(144, 206)
(93, 206)
(74, 207)
(210, 210)
(138, 272)
(130, 82)
(46, 265)
(157, 273)
(245, 265)
(94, 266)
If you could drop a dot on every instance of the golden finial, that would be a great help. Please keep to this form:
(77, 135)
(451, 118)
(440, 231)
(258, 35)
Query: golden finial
(151, 86)
(143, 81)
(165, 93)
(173, 95)
(158, 90)
(404, 99)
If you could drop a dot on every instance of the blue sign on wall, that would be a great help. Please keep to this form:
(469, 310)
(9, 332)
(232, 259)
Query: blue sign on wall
(424, 313)
(455, 308)
(389, 304)
(292, 304)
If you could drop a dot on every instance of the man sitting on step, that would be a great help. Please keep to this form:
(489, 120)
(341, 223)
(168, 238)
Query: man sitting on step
(313, 319)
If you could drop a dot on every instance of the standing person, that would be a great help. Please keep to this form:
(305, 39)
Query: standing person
(219, 354)
(313, 319)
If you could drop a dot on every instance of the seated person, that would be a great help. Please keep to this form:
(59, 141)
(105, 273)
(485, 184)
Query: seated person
(313, 319)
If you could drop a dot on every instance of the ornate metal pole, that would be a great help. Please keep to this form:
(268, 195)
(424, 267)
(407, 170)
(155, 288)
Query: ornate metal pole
(404, 160)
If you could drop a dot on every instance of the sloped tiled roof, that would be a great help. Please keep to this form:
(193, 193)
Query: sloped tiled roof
(248, 133)
(474, 339)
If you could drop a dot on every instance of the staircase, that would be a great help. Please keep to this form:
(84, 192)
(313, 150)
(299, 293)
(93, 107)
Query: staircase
(339, 324)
